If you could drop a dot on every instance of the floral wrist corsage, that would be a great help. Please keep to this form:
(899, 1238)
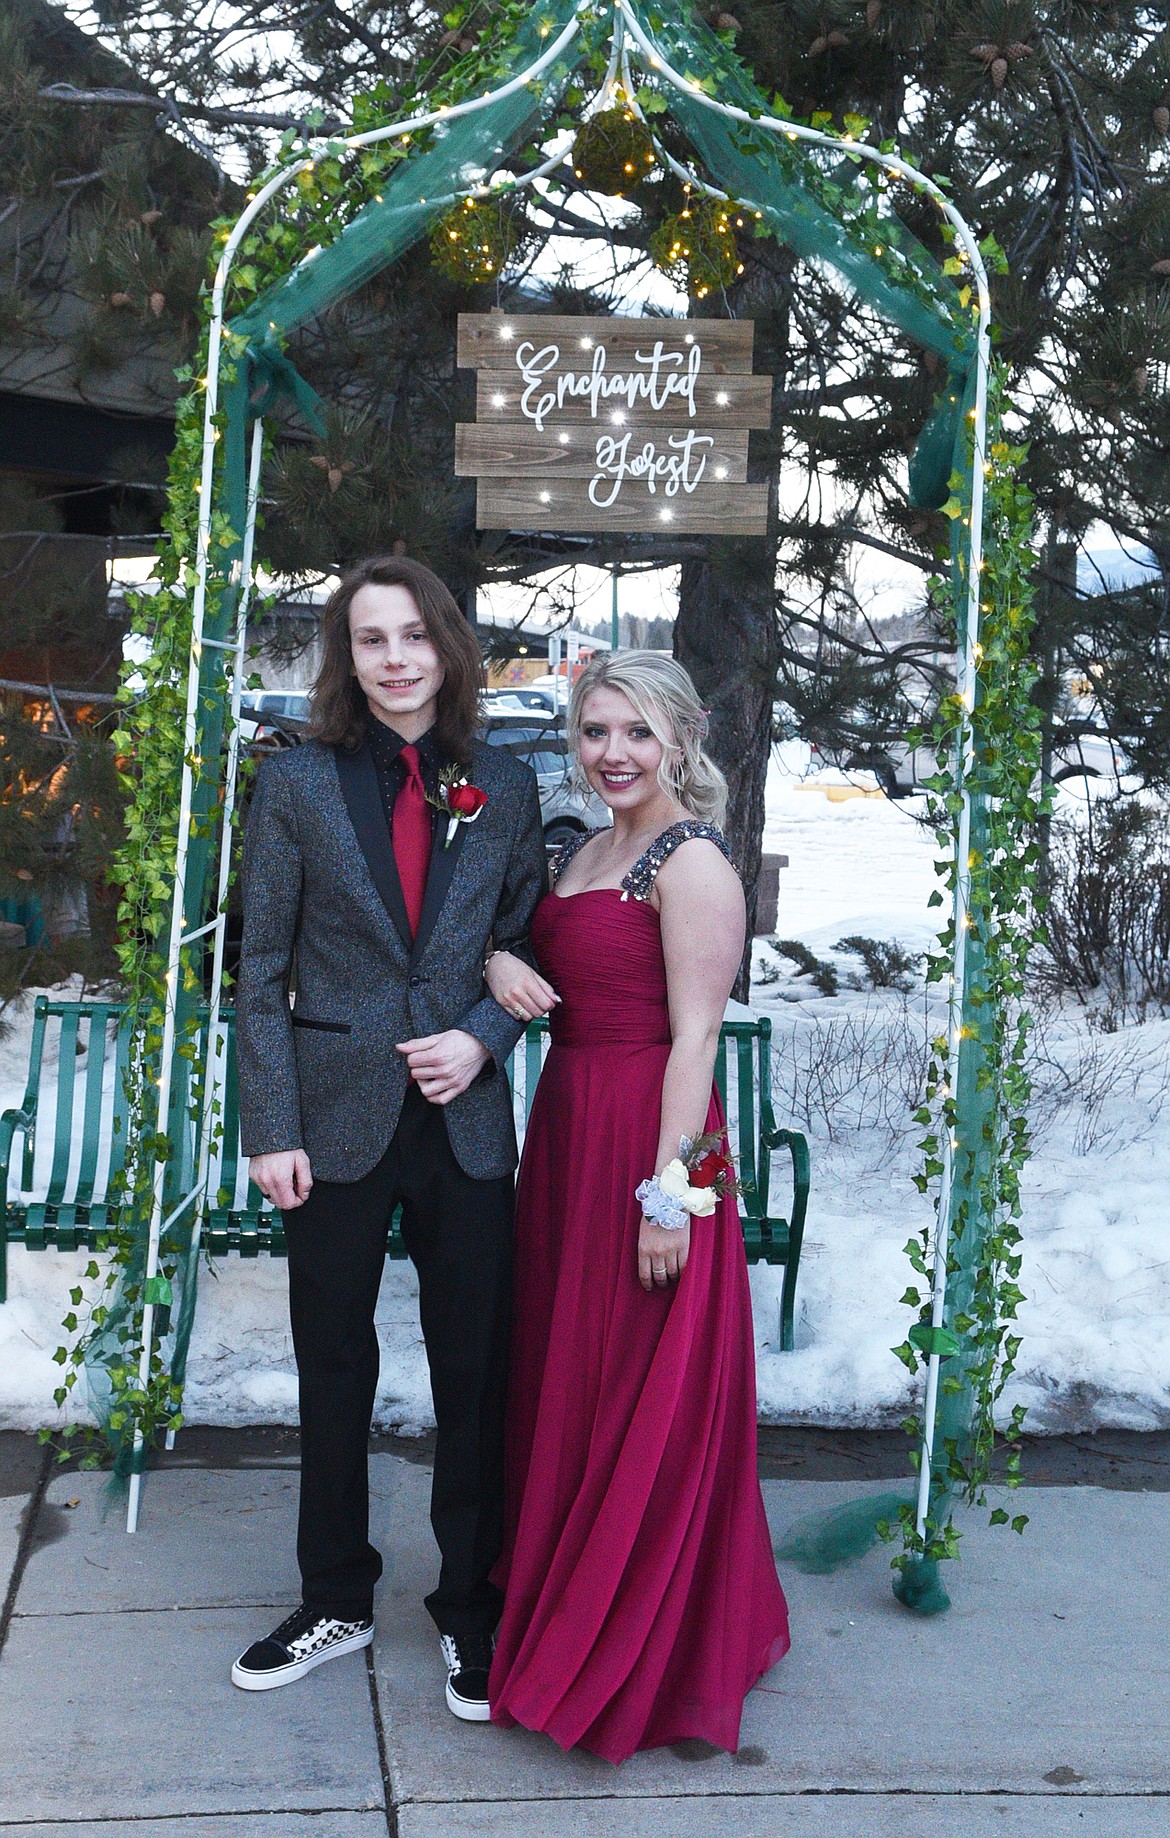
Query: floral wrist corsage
(691, 1184)
(458, 799)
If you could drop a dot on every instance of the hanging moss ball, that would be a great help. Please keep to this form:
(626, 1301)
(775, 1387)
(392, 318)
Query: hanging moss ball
(697, 246)
(475, 241)
(613, 151)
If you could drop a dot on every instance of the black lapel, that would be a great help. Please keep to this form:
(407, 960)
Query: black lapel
(363, 801)
(439, 874)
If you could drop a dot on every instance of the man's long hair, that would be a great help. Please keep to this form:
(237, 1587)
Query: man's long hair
(340, 712)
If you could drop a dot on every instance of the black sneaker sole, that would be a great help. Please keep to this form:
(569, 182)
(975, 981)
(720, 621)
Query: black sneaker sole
(288, 1675)
(469, 1710)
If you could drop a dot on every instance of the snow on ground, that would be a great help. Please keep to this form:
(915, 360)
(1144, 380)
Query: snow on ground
(847, 1069)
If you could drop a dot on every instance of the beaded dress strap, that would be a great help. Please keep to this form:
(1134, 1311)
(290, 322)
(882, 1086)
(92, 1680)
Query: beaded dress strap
(641, 877)
(562, 856)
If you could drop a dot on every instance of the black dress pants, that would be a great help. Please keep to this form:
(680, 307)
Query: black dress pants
(458, 1232)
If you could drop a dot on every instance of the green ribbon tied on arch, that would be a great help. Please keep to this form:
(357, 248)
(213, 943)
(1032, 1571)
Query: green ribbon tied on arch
(935, 454)
(273, 378)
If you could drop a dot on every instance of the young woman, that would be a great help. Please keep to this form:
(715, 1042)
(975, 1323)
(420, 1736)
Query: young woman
(642, 1601)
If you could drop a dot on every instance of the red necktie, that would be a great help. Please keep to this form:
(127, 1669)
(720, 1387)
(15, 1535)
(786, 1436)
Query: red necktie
(411, 835)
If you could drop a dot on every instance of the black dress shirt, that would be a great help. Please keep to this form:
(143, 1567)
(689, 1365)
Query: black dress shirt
(386, 745)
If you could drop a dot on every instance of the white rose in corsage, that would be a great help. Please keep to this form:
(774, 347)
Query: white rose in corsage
(691, 1185)
(674, 1182)
(458, 799)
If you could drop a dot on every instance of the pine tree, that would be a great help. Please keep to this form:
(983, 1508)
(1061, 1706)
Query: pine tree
(1052, 124)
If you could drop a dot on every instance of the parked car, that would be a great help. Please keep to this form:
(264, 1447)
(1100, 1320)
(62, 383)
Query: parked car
(902, 771)
(540, 742)
(273, 717)
(519, 695)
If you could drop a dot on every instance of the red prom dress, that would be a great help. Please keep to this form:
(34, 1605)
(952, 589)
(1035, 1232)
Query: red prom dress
(642, 1601)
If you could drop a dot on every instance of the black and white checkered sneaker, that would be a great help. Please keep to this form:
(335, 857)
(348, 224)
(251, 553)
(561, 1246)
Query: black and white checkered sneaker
(307, 1639)
(468, 1661)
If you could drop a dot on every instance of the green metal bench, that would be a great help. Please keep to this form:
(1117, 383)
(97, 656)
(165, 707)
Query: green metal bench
(59, 1196)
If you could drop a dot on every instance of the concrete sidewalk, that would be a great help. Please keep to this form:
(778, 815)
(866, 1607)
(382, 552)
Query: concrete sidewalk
(1042, 1700)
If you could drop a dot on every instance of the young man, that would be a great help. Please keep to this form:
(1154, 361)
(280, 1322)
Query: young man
(386, 1084)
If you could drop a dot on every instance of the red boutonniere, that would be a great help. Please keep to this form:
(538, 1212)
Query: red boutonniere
(458, 799)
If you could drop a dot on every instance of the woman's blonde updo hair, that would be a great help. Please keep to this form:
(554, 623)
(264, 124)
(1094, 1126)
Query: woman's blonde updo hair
(665, 698)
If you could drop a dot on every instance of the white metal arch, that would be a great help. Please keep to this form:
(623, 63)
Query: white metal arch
(624, 19)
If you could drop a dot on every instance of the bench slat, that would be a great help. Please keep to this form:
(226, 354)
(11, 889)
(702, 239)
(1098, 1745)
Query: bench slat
(91, 1131)
(230, 1137)
(746, 1096)
(118, 1143)
(63, 1137)
(32, 1090)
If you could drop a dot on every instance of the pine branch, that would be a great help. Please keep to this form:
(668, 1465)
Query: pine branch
(167, 106)
(62, 695)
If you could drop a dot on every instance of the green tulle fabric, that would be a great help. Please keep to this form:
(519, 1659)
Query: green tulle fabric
(919, 1587)
(823, 1542)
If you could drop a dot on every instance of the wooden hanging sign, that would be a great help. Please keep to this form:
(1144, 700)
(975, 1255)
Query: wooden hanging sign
(612, 424)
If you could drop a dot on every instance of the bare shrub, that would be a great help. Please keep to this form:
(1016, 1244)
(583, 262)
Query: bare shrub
(1112, 1087)
(864, 1069)
(1108, 910)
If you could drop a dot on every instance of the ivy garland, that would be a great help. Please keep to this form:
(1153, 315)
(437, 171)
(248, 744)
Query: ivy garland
(1005, 923)
(150, 743)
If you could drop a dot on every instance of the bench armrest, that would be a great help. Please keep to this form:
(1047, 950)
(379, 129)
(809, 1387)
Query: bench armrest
(12, 1122)
(797, 1145)
(773, 1137)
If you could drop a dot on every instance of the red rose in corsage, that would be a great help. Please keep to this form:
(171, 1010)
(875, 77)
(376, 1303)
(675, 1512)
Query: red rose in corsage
(458, 799)
(711, 1169)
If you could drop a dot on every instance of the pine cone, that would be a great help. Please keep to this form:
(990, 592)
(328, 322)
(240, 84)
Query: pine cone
(398, 546)
(727, 22)
(873, 12)
(1162, 118)
(988, 53)
(999, 70)
(119, 300)
(1140, 379)
(1017, 50)
(149, 217)
(334, 473)
(1161, 267)
(838, 39)
(157, 302)
(818, 45)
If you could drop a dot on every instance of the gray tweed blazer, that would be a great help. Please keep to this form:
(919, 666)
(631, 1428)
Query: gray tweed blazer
(321, 890)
